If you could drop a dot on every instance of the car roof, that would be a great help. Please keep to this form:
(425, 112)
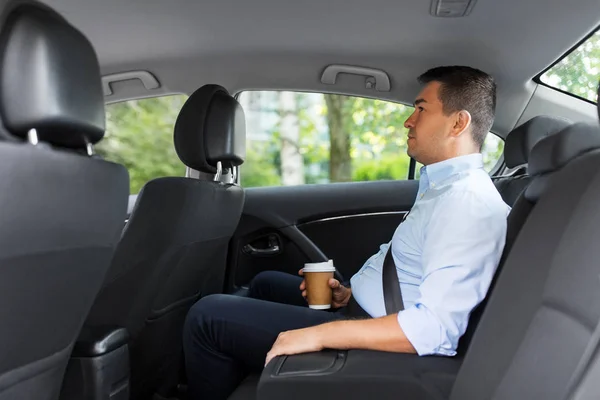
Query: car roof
(272, 44)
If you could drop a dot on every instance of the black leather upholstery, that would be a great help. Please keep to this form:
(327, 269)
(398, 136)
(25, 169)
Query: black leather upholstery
(517, 149)
(210, 128)
(61, 211)
(521, 140)
(555, 152)
(172, 252)
(354, 374)
(57, 89)
(510, 187)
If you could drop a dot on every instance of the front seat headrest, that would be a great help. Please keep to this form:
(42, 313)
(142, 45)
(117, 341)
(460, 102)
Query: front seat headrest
(521, 140)
(49, 80)
(554, 152)
(211, 128)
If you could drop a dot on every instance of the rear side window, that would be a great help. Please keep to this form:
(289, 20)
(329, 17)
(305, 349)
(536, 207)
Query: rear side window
(577, 73)
(296, 138)
(139, 135)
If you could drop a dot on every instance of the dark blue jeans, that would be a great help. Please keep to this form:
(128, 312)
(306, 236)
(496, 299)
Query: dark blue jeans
(226, 337)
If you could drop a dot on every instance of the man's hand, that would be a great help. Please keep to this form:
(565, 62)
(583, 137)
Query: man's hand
(341, 294)
(295, 342)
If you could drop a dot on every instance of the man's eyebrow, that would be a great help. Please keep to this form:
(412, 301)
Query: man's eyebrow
(419, 101)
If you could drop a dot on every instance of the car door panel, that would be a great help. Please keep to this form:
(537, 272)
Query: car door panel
(284, 227)
(350, 240)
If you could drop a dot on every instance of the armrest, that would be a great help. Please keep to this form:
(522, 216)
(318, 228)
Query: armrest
(358, 374)
(98, 340)
(99, 365)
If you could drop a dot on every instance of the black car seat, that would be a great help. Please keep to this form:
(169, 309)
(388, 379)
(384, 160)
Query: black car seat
(543, 314)
(62, 208)
(517, 148)
(174, 246)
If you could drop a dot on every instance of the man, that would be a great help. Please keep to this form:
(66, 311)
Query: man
(445, 252)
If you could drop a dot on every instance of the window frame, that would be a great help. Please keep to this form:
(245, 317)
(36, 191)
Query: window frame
(538, 78)
(496, 170)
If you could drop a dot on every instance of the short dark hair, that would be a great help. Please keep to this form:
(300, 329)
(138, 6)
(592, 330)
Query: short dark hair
(466, 88)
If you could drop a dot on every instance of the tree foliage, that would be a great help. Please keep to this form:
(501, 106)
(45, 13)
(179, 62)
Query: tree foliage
(139, 135)
(578, 72)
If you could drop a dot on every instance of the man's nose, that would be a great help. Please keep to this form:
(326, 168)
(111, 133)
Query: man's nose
(409, 123)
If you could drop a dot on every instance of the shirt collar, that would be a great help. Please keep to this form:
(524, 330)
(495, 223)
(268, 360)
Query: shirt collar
(436, 173)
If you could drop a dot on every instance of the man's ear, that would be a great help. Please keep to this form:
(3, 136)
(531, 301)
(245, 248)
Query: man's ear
(462, 122)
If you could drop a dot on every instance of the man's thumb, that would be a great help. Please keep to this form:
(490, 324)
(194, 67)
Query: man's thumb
(334, 283)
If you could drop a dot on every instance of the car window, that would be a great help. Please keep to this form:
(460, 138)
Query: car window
(577, 73)
(296, 138)
(492, 150)
(139, 135)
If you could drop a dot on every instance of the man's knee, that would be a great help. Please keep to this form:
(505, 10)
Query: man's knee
(262, 282)
(267, 277)
(204, 311)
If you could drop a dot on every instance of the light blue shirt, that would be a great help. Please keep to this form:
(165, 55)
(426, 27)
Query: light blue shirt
(446, 252)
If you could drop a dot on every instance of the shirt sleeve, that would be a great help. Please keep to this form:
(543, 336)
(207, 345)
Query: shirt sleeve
(462, 246)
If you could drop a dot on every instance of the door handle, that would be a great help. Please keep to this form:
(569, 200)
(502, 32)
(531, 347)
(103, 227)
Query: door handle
(272, 248)
(270, 251)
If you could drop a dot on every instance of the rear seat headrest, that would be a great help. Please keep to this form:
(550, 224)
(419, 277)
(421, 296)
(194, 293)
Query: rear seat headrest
(521, 140)
(49, 80)
(211, 127)
(552, 153)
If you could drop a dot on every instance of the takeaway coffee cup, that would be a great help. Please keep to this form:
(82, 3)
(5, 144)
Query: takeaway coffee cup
(318, 292)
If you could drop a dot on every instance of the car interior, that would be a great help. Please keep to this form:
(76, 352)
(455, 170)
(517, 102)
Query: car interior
(98, 274)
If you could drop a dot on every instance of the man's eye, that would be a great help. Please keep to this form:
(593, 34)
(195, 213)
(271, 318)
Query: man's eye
(420, 108)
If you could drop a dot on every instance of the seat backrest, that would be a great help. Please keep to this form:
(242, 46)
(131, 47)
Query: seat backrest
(62, 210)
(517, 148)
(546, 302)
(174, 246)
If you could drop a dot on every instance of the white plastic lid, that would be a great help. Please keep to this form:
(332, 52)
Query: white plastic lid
(326, 266)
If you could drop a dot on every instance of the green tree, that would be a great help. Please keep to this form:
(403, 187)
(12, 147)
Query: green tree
(259, 168)
(387, 167)
(492, 150)
(139, 135)
(340, 162)
(366, 134)
(578, 72)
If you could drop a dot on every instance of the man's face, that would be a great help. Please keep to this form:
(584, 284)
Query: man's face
(428, 127)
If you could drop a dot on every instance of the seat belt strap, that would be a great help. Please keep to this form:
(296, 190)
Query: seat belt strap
(392, 294)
